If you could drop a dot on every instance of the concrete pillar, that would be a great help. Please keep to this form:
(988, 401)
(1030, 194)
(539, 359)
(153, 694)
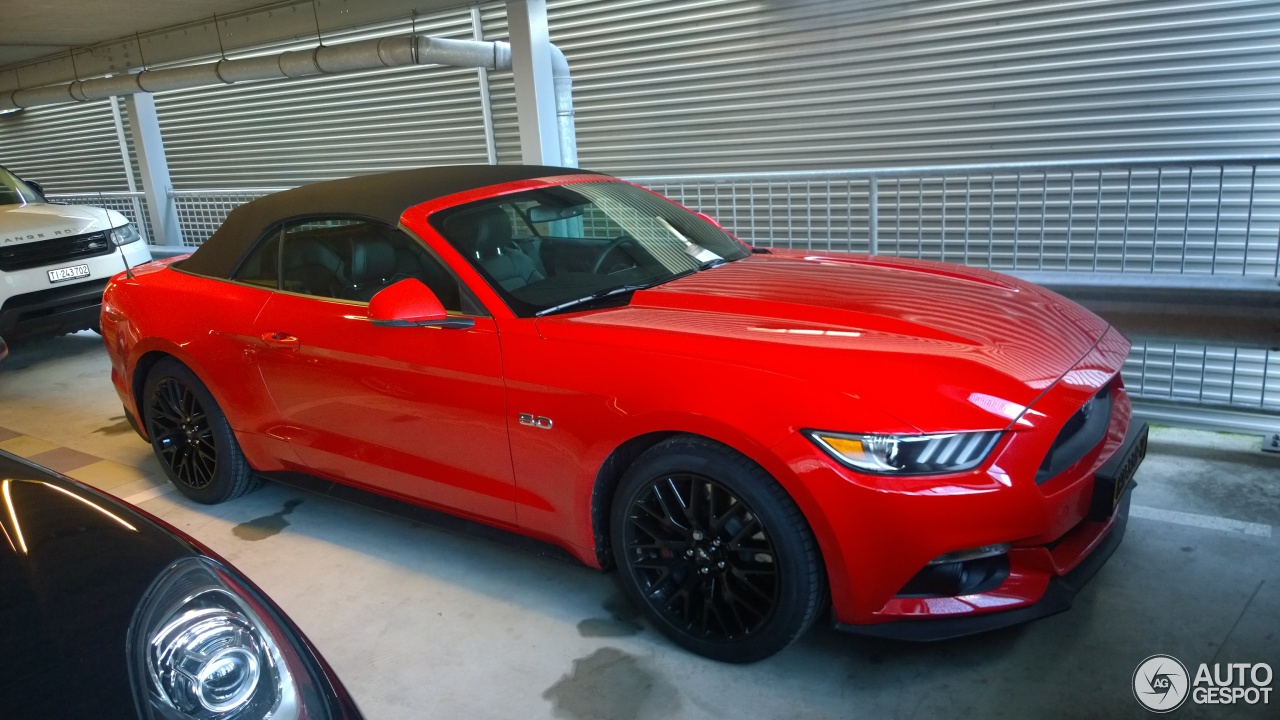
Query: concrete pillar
(145, 128)
(139, 213)
(535, 88)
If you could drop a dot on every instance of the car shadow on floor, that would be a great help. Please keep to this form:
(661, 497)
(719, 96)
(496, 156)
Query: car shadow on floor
(28, 352)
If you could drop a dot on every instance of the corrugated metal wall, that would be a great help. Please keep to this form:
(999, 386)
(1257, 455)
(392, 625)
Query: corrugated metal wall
(667, 86)
(672, 86)
(1204, 374)
(272, 134)
(67, 148)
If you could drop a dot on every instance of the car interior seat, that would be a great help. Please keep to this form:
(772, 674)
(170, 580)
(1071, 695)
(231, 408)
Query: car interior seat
(312, 267)
(373, 266)
(485, 233)
(380, 259)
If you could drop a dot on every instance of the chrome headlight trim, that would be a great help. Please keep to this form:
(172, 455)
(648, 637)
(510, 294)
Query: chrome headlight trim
(203, 645)
(907, 455)
(125, 234)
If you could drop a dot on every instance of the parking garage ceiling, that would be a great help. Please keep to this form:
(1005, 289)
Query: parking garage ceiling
(32, 30)
(38, 36)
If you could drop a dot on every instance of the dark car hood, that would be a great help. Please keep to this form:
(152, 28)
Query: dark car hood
(900, 334)
(74, 565)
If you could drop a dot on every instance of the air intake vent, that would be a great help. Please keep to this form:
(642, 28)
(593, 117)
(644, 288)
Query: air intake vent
(1083, 431)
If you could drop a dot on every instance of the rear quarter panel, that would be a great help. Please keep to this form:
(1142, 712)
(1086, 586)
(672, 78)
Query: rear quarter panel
(208, 326)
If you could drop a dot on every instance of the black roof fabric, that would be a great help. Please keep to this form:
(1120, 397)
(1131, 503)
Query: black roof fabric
(384, 197)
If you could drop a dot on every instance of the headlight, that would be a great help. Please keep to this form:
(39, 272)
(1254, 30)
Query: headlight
(201, 646)
(125, 234)
(907, 454)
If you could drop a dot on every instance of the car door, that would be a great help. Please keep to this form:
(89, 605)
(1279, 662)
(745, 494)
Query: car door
(416, 412)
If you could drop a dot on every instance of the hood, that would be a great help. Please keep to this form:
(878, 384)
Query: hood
(74, 566)
(940, 347)
(43, 221)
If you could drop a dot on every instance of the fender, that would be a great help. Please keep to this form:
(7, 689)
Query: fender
(729, 436)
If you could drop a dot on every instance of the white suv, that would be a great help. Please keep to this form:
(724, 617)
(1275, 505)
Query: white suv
(55, 260)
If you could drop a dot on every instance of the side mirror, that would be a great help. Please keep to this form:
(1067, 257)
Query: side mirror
(35, 186)
(409, 303)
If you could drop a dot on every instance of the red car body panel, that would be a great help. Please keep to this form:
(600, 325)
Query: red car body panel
(749, 354)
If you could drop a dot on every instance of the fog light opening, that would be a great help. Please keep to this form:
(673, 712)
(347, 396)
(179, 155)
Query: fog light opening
(977, 553)
(966, 572)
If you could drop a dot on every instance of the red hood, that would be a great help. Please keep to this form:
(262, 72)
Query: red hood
(902, 334)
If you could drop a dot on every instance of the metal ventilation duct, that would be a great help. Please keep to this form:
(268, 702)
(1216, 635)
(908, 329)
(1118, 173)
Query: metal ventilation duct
(363, 55)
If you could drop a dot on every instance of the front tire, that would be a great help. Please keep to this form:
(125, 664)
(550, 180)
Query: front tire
(191, 436)
(715, 552)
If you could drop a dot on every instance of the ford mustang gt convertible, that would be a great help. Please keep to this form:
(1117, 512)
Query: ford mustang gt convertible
(748, 435)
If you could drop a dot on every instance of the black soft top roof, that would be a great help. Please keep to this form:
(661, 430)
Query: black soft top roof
(384, 196)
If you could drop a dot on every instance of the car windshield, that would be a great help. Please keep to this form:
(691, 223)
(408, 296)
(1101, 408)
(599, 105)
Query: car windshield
(571, 246)
(15, 192)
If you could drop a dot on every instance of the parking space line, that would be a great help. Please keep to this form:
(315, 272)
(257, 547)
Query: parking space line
(149, 493)
(1208, 522)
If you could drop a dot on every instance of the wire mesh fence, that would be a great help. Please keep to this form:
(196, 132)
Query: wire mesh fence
(201, 212)
(1202, 217)
(1181, 217)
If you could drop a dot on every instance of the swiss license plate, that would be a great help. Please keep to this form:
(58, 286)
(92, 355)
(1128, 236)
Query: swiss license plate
(68, 273)
(1111, 480)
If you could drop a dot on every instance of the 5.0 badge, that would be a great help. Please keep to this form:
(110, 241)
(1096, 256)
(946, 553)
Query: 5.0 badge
(535, 421)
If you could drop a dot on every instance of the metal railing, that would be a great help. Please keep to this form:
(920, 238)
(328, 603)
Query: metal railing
(1217, 216)
(200, 212)
(1121, 221)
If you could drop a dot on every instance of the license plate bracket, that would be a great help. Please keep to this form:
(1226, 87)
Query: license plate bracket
(1112, 480)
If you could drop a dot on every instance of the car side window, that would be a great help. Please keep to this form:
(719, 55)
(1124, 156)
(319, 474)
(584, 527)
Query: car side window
(262, 266)
(352, 259)
(316, 255)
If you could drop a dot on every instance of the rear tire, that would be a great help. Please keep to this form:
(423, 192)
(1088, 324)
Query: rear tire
(191, 436)
(715, 552)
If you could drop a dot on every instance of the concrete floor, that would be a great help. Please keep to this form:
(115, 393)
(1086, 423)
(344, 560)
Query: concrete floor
(436, 620)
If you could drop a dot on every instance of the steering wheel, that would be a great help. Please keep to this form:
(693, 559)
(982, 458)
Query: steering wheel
(613, 246)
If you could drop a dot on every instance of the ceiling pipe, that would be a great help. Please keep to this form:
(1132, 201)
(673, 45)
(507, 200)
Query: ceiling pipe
(402, 51)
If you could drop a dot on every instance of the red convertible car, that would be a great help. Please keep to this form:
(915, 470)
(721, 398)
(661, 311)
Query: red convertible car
(748, 435)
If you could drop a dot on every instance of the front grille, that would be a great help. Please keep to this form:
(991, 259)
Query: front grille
(1082, 433)
(56, 251)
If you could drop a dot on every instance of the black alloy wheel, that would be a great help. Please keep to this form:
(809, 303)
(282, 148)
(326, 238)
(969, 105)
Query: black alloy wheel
(181, 432)
(715, 552)
(191, 436)
(702, 557)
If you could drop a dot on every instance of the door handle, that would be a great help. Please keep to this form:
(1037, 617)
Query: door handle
(280, 340)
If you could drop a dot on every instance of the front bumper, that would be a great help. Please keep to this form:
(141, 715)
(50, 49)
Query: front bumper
(1058, 596)
(879, 534)
(58, 309)
(31, 305)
